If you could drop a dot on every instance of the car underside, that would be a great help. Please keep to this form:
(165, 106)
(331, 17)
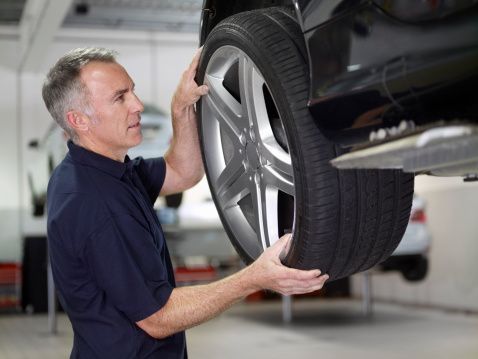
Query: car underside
(388, 71)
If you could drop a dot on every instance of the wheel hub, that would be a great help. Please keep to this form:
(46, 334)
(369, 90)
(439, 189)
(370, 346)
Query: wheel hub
(253, 159)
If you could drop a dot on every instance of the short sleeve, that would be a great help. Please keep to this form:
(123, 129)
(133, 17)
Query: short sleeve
(152, 172)
(128, 267)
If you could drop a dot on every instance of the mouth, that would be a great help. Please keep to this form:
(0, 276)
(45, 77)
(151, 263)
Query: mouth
(135, 125)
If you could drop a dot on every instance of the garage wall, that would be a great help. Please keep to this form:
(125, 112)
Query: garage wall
(9, 158)
(8, 139)
(452, 282)
(9, 154)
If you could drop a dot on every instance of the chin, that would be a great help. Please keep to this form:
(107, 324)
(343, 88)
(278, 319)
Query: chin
(136, 141)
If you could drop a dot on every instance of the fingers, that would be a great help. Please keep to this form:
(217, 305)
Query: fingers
(285, 249)
(203, 90)
(295, 281)
(298, 274)
(188, 92)
(195, 62)
(290, 287)
(309, 286)
(196, 57)
(198, 92)
(281, 245)
(285, 239)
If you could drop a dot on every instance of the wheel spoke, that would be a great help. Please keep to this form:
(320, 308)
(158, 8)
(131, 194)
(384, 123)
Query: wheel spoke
(275, 155)
(279, 180)
(252, 94)
(264, 201)
(233, 193)
(270, 208)
(225, 108)
(231, 173)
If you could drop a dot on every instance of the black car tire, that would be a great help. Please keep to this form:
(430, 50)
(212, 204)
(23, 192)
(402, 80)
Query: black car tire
(413, 267)
(174, 200)
(343, 222)
(417, 270)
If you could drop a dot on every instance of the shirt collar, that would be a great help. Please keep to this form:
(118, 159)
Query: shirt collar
(89, 158)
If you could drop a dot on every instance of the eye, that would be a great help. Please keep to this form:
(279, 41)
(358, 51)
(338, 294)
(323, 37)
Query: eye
(120, 98)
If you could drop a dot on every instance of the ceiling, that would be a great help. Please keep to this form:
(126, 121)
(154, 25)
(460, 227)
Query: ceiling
(151, 15)
(11, 11)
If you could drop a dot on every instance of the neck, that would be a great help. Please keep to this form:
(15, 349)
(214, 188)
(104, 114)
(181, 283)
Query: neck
(101, 149)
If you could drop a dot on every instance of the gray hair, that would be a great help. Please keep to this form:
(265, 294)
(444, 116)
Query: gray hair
(63, 90)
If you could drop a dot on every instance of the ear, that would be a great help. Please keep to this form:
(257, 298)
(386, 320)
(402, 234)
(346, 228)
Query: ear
(78, 121)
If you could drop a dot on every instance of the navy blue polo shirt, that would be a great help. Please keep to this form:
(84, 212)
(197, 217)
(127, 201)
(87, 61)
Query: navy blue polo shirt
(110, 261)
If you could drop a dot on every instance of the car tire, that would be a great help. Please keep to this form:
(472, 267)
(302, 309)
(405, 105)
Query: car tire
(268, 163)
(416, 270)
(174, 200)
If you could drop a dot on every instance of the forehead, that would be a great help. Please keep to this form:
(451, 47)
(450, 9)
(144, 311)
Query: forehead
(105, 77)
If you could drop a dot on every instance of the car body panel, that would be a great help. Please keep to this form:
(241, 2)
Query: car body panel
(369, 70)
(411, 257)
(157, 133)
(417, 238)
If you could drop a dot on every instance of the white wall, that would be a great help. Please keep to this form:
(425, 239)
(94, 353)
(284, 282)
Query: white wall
(9, 125)
(9, 159)
(8, 139)
(453, 278)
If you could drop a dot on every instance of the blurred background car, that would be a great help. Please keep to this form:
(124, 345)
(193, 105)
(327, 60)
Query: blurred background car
(157, 133)
(411, 256)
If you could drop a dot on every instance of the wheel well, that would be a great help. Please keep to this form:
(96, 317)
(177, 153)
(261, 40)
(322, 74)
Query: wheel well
(214, 11)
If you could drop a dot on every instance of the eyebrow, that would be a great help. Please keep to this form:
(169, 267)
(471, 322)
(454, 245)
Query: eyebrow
(122, 91)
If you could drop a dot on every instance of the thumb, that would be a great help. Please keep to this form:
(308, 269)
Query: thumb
(203, 90)
(281, 246)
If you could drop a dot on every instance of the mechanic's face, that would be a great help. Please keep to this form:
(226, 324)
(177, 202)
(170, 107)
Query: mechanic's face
(115, 121)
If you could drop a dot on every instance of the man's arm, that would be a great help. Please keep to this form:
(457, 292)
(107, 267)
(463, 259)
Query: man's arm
(190, 306)
(183, 159)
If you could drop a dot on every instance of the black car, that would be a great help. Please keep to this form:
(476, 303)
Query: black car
(381, 90)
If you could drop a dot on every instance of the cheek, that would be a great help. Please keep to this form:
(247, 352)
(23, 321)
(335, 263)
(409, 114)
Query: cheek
(95, 120)
(103, 125)
(96, 117)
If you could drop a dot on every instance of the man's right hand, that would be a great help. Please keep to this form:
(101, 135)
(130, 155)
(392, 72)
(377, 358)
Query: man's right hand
(268, 272)
(191, 305)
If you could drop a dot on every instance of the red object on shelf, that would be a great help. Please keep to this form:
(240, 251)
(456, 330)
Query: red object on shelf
(10, 273)
(194, 274)
(256, 296)
(10, 281)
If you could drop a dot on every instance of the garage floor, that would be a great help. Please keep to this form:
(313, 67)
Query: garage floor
(320, 328)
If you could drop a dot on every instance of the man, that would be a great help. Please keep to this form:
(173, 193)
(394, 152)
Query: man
(108, 254)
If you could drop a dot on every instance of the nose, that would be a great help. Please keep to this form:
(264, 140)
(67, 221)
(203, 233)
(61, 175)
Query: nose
(137, 105)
